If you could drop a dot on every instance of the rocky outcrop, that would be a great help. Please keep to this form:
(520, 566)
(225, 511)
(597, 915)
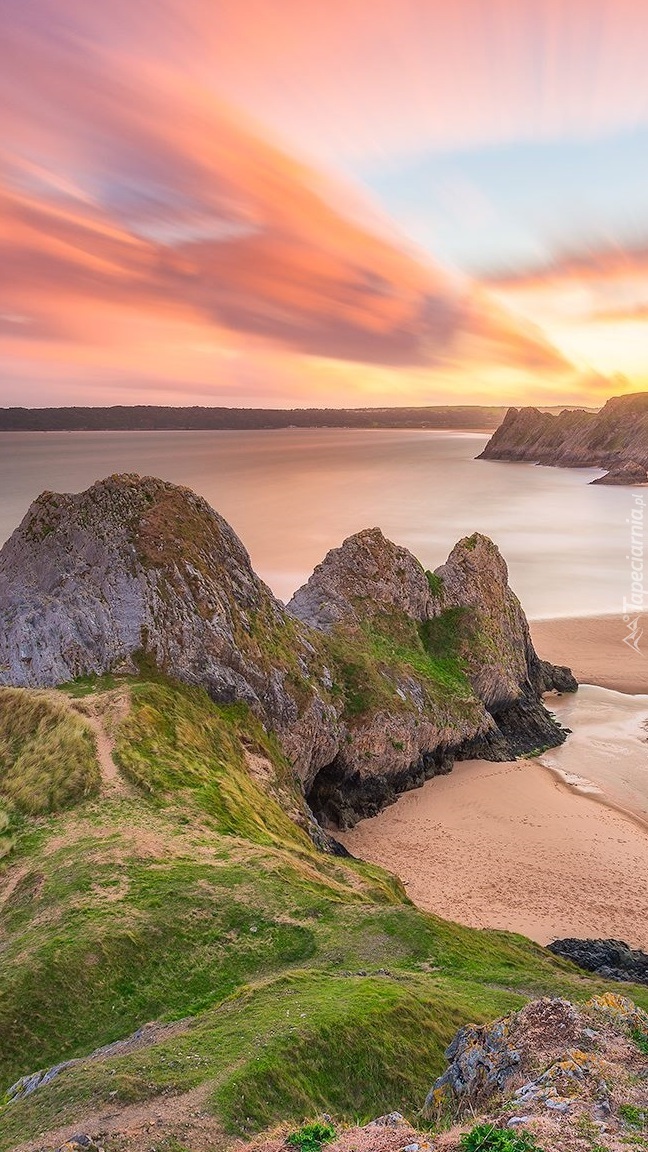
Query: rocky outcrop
(496, 648)
(137, 571)
(133, 568)
(611, 959)
(376, 677)
(616, 439)
(552, 1063)
(622, 475)
(466, 622)
(367, 575)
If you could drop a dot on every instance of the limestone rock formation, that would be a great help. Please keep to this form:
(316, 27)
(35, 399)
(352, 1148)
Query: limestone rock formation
(550, 1060)
(630, 473)
(499, 655)
(132, 566)
(616, 438)
(138, 570)
(366, 575)
(376, 677)
(466, 628)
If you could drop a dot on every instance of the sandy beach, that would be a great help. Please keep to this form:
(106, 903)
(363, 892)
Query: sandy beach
(593, 647)
(511, 846)
(516, 846)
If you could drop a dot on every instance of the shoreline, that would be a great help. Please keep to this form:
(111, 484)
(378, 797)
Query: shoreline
(598, 797)
(513, 847)
(593, 647)
(519, 846)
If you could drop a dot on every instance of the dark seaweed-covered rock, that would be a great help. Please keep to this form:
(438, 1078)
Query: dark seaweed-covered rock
(612, 959)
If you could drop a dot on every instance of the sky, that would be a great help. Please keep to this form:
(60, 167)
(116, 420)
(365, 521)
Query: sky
(319, 203)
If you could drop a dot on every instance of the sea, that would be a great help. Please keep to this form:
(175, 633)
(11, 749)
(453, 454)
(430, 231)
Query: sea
(293, 494)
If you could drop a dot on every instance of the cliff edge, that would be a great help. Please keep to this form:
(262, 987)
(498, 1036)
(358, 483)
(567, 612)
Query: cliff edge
(615, 439)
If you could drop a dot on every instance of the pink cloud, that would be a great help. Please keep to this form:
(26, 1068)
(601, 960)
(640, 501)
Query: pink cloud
(146, 227)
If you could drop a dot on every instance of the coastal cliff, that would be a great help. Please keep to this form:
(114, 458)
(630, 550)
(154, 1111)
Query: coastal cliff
(615, 439)
(376, 677)
(181, 965)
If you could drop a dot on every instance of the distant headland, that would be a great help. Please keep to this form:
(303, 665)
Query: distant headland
(614, 439)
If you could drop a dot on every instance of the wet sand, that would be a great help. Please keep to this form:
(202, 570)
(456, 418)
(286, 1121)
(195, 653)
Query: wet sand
(593, 647)
(552, 847)
(607, 752)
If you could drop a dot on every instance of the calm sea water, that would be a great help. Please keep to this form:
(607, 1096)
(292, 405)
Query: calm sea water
(293, 494)
(606, 752)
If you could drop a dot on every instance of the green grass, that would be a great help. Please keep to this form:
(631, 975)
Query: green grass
(47, 754)
(635, 1116)
(489, 1138)
(308, 983)
(311, 1137)
(176, 744)
(641, 1040)
(370, 663)
(90, 685)
(435, 583)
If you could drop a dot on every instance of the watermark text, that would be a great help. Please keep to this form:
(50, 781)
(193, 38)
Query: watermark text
(633, 603)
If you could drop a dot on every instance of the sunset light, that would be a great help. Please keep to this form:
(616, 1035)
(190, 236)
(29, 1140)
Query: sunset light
(310, 204)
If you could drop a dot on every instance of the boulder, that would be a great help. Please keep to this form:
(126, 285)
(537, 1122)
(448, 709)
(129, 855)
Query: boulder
(611, 959)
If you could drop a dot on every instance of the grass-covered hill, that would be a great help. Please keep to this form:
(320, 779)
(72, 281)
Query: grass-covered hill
(157, 871)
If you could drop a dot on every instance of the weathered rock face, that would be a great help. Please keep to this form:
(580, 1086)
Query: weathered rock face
(130, 567)
(499, 655)
(554, 1067)
(375, 678)
(616, 438)
(630, 473)
(138, 569)
(467, 622)
(496, 649)
(366, 575)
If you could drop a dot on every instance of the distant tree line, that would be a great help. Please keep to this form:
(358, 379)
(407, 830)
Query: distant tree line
(145, 417)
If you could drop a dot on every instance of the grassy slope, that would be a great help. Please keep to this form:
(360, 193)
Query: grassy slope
(311, 982)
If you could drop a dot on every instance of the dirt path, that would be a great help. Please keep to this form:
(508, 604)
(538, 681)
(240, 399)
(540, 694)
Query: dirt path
(110, 774)
(140, 1127)
(102, 714)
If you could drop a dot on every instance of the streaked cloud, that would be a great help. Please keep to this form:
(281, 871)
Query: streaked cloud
(593, 303)
(177, 208)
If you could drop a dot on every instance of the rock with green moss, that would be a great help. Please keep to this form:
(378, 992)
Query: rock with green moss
(431, 667)
(374, 678)
(139, 573)
(561, 1066)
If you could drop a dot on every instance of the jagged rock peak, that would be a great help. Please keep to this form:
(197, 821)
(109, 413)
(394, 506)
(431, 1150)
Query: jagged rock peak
(132, 564)
(499, 656)
(367, 573)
